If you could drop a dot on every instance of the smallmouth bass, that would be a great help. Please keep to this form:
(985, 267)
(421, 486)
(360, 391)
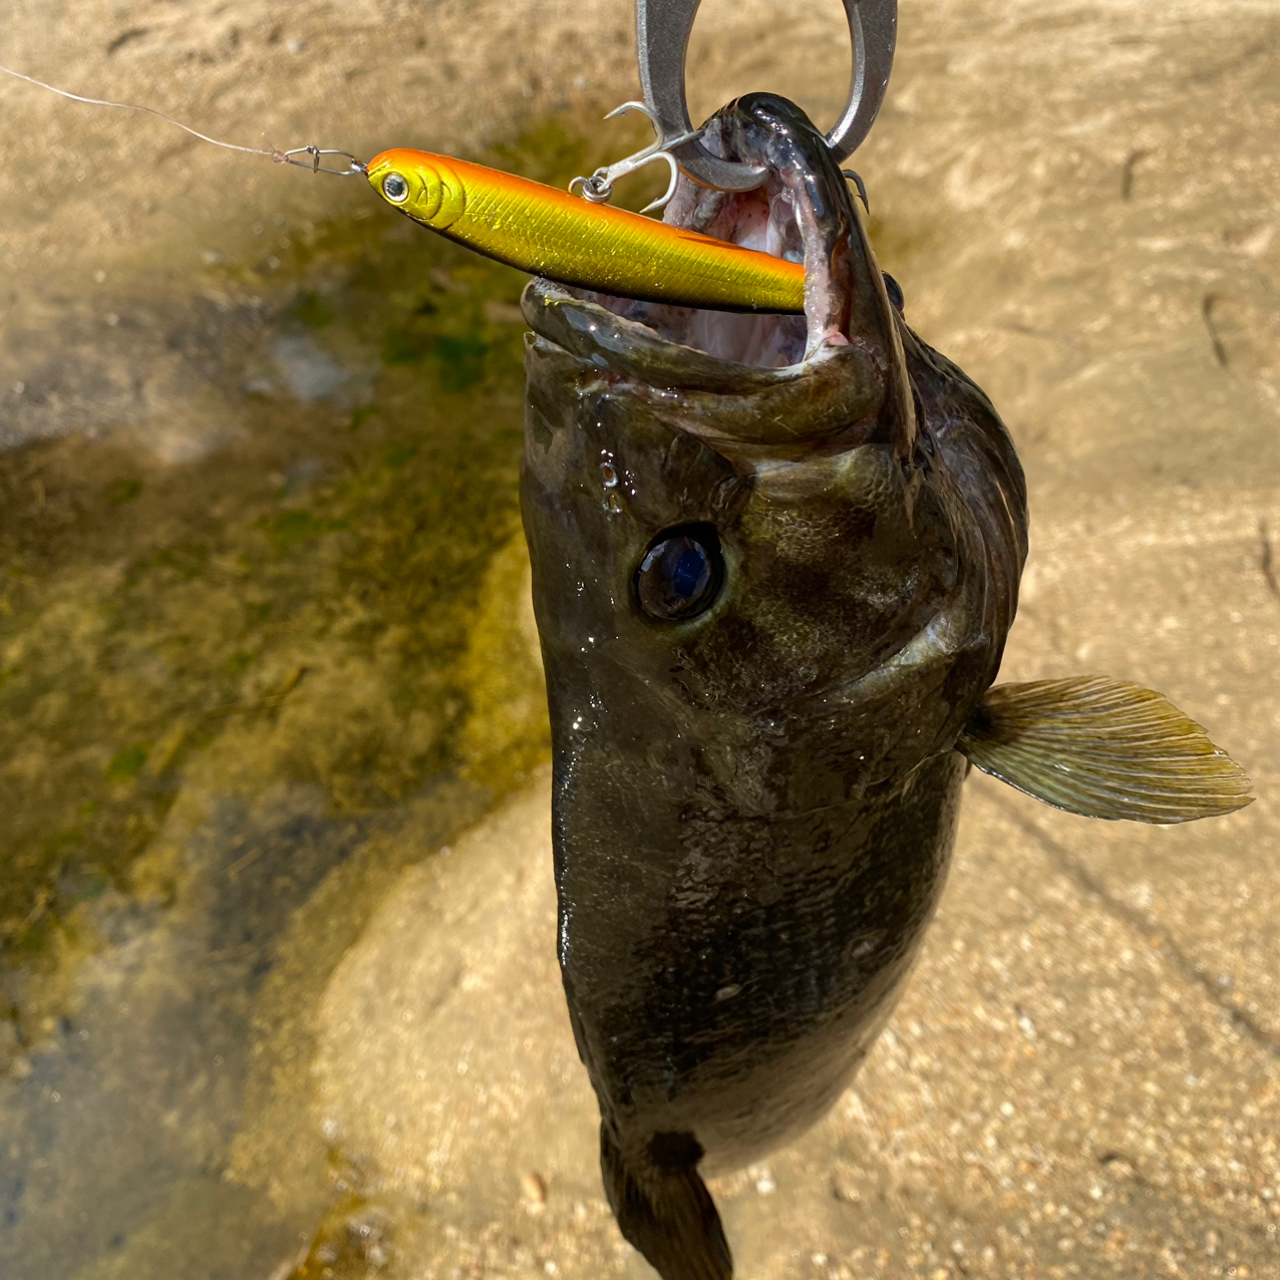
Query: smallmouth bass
(775, 562)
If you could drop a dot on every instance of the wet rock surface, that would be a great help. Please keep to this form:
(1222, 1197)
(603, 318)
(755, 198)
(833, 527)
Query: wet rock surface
(279, 1032)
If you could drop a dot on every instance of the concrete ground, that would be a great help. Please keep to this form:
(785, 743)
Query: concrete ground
(1083, 1078)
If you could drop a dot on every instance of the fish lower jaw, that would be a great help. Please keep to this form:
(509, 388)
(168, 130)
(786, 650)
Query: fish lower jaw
(760, 340)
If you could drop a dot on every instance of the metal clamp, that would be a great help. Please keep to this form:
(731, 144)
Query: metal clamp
(663, 28)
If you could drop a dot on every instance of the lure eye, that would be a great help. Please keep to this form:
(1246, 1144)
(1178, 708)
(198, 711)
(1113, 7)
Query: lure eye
(394, 187)
(681, 573)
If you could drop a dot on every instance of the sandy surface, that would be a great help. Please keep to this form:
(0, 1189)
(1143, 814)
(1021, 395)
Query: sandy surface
(1081, 204)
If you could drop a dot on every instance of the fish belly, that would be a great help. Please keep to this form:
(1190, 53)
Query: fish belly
(727, 973)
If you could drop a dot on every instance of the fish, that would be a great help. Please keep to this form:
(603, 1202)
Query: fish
(775, 563)
(562, 237)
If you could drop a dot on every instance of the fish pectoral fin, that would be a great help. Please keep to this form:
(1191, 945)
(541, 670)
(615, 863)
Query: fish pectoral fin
(664, 1208)
(1102, 748)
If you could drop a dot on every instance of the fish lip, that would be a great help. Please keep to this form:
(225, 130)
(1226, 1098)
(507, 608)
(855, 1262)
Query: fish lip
(827, 403)
(561, 316)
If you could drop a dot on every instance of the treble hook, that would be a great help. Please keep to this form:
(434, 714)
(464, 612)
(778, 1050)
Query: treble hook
(598, 188)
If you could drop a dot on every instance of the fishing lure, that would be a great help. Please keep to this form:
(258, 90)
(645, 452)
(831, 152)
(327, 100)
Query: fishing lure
(551, 233)
(586, 243)
(545, 231)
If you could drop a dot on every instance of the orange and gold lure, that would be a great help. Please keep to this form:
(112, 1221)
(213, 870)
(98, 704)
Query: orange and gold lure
(550, 233)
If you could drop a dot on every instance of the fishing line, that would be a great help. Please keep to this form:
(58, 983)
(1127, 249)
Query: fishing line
(280, 157)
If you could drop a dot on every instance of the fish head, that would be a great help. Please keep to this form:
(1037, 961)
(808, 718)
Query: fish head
(753, 528)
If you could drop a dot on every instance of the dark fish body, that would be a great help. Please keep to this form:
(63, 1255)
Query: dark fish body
(770, 599)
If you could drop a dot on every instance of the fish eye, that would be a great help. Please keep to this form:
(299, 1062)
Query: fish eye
(394, 187)
(681, 573)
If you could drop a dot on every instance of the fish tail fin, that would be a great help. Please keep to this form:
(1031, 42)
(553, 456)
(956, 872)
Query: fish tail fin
(664, 1208)
(1104, 749)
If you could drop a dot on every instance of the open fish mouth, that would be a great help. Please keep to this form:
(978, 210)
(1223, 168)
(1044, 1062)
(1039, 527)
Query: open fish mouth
(763, 220)
(803, 213)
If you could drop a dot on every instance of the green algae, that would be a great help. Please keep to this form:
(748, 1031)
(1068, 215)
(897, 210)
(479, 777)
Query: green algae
(148, 611)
